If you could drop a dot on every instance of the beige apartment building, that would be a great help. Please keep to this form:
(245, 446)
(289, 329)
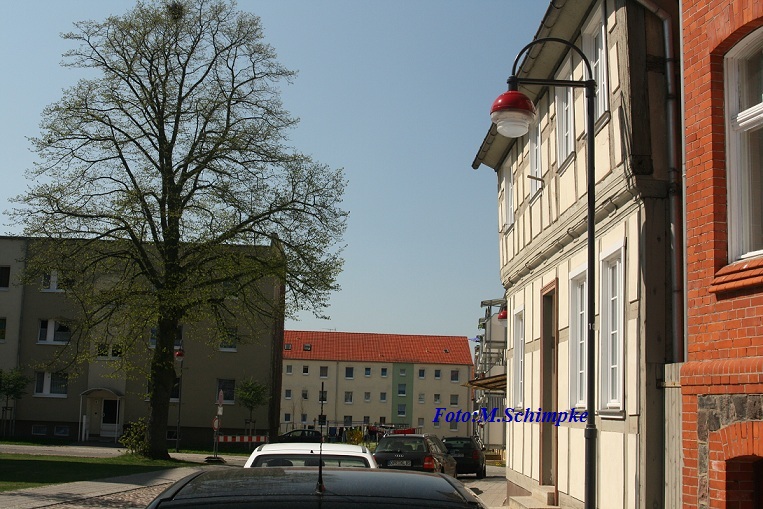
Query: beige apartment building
(96, 400)
(372, 379)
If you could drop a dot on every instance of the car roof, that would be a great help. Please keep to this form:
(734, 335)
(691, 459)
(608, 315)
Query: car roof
(312, 447)
(355, 485)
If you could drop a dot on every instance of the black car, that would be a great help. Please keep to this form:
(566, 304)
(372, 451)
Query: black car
(340, 488)
(299, 435)
(468, 453)
(414, 452)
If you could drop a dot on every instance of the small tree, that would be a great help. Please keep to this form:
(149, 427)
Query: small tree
(251, 394)
(12, 385)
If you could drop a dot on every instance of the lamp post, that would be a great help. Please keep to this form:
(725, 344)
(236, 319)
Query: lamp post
(512, 112)
(179, 357)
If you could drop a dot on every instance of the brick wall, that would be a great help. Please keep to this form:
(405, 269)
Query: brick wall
(722, 380)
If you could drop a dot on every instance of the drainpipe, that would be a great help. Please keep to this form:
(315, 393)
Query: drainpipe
(675, 193)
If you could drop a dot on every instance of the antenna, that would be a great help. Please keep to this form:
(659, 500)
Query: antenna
(320, 488)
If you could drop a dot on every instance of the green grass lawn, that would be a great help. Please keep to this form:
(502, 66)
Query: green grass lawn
(19, 471)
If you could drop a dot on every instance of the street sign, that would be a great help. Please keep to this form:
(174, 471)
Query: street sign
(216, 424)
(220, 398)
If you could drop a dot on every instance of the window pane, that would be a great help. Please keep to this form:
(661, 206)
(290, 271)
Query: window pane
(228, 387)
(752, 87)
(754, 143)
(58, 383)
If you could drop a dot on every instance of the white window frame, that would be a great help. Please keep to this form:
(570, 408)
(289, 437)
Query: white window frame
(383, 397)
(743, 121)
(383, 372)
(455, 376)
(401, 410)
(323, 372)
(536, 159)
(287, 394)
(565, 115)
(349, 373)
(305, 369)
(453, 425)
(348, 397)
(422, 397)
(367, 397)
(506, 201)
(113, 351)
(518, 363)
(230, 344)
(289, 369)
(612, 332)
(43, 385)
(578, 345)
(50, 282)
(3, 328)
(436, 398)
(594, 37)
(50, 333)
(287, 417)
(5, 277)
(226, 401)
(402, 389)
(454, 400)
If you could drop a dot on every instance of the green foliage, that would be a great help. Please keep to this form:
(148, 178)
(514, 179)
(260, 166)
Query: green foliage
(13, 384)
(354, 436)
(135, 437)
(250, 394)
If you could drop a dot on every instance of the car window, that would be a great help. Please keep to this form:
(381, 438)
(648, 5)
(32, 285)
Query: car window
(416, 444)
(309, 460)
(455, 443)
(438, 445)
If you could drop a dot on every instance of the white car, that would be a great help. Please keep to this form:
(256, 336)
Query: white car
(307, 455)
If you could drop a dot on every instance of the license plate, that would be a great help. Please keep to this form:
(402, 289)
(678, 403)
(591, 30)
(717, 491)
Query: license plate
(399, 463)
(457, 455)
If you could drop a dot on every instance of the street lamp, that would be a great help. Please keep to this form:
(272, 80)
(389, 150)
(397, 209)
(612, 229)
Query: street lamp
(513, 112)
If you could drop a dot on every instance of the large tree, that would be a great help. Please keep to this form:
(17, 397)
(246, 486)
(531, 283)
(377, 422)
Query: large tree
(169, 166)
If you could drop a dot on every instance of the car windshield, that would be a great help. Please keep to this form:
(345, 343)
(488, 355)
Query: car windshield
(309, 460)
(402, 445)
(458, 443)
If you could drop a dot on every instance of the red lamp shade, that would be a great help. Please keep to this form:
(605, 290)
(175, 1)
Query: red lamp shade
(503, 314)
(513, 112)
(179, 355)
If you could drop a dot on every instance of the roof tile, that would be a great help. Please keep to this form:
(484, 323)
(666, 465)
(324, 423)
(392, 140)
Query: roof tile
(370, 347)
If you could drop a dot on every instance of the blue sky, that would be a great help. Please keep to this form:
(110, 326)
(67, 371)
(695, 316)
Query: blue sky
(396, 92)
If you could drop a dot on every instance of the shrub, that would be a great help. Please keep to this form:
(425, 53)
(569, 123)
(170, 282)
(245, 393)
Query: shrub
(135, 437)
(354, 436)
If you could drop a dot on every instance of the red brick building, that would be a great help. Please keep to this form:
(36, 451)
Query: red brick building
(722, 380)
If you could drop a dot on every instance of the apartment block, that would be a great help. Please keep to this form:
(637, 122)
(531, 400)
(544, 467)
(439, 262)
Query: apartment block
(372, 379)
(96, 399)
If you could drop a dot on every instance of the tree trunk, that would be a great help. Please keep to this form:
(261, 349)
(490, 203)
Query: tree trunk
(163, 377)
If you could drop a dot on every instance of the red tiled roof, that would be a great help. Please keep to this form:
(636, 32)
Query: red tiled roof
(367, 347)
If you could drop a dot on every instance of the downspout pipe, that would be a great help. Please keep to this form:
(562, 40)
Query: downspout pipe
(675, 193)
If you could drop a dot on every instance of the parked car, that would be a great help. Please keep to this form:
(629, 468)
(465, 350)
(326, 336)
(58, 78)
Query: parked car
(299, 435)
(338, 488)
(469, 455)
(415, 452)
(306, 455)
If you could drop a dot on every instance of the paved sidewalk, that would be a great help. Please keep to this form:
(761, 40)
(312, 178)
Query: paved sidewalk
(53, 494)
(492, 489)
